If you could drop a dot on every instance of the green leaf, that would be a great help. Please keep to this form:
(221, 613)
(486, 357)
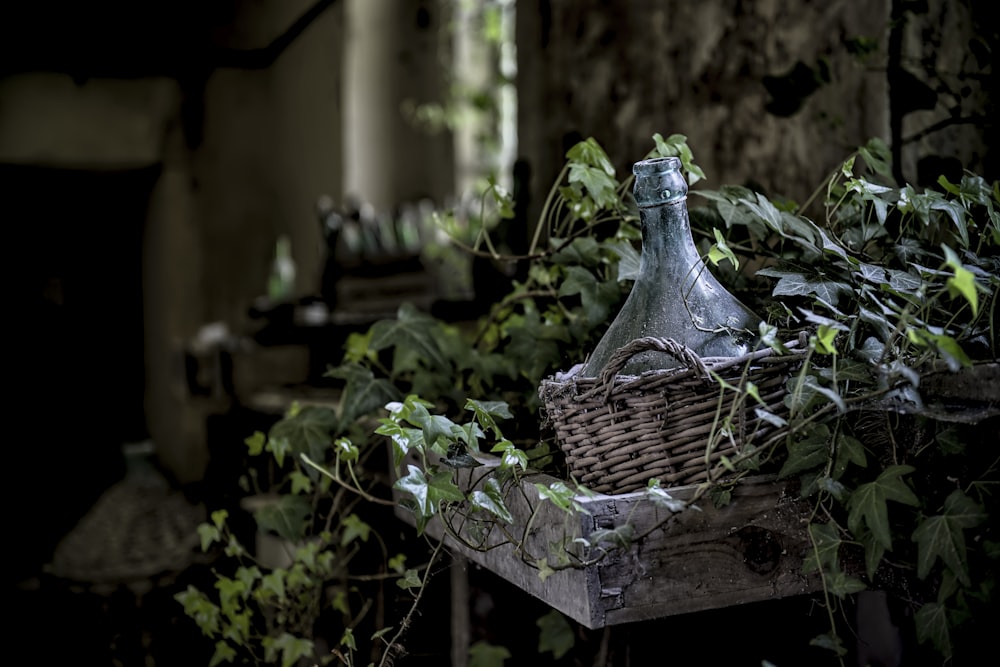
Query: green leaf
(963, 282)
(868, 504)
(942, 536)
(932, 625)
(561, 496)
(842, 585)
(848, 450)
(791, 283)
(555, 634)
(720, 251)
(826, 544)
(290, 647)
(353, 528)
(490, 499)
(830, 642)
(488, 412)
(287, 517)
(661, 498)
(413, 331)
(255, 443)
(362, 394)
(809, 450)
(209, 534)
(410, 579)
(309, 431)
(484, 654)
(589, 152)
(429, 492)
(224, 653)
(874, 552)
(597, 296)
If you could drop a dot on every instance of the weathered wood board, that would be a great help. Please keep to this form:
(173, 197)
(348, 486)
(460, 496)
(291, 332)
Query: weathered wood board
(747, 551)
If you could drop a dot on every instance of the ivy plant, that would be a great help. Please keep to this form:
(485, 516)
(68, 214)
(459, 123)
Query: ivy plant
(894, 291)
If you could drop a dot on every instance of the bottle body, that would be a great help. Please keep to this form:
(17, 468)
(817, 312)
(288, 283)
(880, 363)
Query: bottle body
(675, 295)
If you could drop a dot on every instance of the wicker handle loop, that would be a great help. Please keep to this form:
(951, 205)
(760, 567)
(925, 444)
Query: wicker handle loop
(617, 362)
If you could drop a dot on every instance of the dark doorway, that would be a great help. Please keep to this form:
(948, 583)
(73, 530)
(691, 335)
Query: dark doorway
(75, 353)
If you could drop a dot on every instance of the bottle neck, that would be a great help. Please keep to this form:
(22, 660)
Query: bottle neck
(668, 250)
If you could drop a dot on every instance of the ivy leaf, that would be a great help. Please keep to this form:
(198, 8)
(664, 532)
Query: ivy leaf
(363, 393)
(843, 585)
(931, 622)
(829, 642)
(309, 431)
(963, 282)
(808, 451)
(629, 259)
(428, 492)
(555, 634)
(490, 499)
(849, 450)
(791, 283)
(826, 543)
(536, 343)
(941, 536)
(255, 443)
(354, 528)
(487, 412)
(583, 251)
(561, 496)
(596, 296)
(438, 430)
(660, 498)
(410, 579)
(589, 152)
(867, 505)
(413, 331)
(484, 654)
(873, 553)
(287, 517)
(720, 251)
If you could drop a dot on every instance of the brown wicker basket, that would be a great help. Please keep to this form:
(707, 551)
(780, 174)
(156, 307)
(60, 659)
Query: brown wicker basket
(619, 432)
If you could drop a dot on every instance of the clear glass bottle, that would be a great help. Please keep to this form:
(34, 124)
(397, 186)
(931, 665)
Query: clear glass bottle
(674, 296)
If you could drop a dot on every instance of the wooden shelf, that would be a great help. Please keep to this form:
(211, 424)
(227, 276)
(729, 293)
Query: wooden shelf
(750, 550)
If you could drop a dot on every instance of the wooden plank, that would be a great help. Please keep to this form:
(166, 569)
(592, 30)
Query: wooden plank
(749, 550)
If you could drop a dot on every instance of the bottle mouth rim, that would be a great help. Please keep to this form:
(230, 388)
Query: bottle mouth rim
(656, 165)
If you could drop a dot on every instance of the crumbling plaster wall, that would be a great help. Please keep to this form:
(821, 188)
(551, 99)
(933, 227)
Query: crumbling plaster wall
(622, 71)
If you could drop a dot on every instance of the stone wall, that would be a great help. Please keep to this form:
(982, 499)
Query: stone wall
(622, 71)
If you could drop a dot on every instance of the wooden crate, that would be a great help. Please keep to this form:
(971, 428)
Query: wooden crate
(747, 551)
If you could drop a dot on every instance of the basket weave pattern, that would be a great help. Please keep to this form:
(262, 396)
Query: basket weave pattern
(618, 432)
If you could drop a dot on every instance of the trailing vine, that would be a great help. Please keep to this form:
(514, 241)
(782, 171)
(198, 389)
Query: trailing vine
(893, 294)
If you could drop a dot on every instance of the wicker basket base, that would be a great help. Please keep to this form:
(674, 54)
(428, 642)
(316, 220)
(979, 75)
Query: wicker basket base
(619, 432)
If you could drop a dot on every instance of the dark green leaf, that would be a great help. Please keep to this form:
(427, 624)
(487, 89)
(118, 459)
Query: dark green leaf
(843, 585)
(487, 413)
(484, 654)
(867, 505)
(932, 625)
(809, 450)
(830, 643)
(942, 536)
(555, 635)
(597, 296)
(826, 545)
(413, 331)
(363, 394)
(849, 450)
(309, 431)
(429, 492)
(288, 517)
(490, 499)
